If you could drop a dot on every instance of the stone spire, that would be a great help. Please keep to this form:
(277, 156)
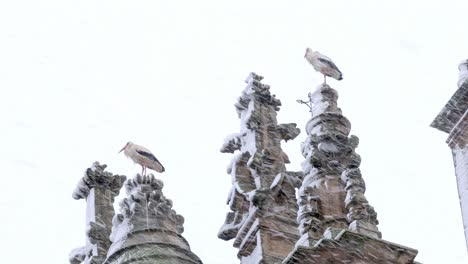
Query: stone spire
(99, 188)
(332, 193)
(337, 223)
(148, 230)
(262, 199)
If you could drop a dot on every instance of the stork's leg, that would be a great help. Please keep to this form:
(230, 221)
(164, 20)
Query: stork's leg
(324, 79)
(142, 170)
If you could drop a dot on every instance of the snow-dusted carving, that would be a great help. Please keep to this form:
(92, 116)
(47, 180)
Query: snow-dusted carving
(337, 224)
(329, 151)
(99, 188)
(361, 215)
(96, 176)
(262, 199)
(147, 227)
(145, 208)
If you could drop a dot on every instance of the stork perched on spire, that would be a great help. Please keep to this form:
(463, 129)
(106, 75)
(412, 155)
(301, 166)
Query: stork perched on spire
(323, 64)
(143, 157)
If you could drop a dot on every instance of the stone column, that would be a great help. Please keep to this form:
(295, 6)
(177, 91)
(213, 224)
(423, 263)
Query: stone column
(262, 200)
(99, 188)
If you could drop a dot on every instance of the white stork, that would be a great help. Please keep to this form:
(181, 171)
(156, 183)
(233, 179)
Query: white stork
(323, 64)
(143, 157)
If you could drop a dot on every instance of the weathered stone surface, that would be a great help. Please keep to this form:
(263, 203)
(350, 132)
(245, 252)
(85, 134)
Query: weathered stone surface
(262, 200)
(345, 246)
(337, 223)
(147, 229)
(99, 188)
(453, 111)
(362, 216)
(332, 192)
(96, 176)
(453, 119)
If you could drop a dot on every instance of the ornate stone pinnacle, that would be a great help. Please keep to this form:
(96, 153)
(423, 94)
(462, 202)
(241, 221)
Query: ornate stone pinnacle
(263, 192)
(96, 176)
(144, 208)
(99, 188)
(332, 179)
(147, 227)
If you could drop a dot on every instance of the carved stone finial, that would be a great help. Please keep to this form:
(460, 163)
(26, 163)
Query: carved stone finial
(263, 192)
(145, 207)
(336, 222)
(329, 152)
(96, 176)
(147, 226)
(99, 188)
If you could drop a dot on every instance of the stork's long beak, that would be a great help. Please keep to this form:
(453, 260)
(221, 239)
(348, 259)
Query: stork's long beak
(123, 148)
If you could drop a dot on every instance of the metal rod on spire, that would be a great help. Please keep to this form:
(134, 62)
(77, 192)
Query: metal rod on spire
(307, 103)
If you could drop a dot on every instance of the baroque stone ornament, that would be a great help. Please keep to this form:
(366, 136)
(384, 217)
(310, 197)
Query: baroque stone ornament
(336, 222)
(147, 229)
(99, 188)
(332, 184)
(262, 200)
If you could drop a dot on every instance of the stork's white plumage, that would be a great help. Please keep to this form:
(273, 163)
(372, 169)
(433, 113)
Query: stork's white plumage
(143, 157)
(323, 64)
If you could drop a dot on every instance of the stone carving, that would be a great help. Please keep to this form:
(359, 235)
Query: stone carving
(262, 199)
(99, 188)
(325, 197)
(361, 215)
(96, 176)
(337, 224)
(345, 246)
(145, 208)
(147, 228)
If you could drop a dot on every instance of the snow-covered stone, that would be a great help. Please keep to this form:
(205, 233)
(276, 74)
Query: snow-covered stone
(98, 187)
(262, 198)
(147, 227)
(336, 222)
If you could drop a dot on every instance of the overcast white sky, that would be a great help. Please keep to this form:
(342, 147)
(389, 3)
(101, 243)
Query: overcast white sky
(81, 78)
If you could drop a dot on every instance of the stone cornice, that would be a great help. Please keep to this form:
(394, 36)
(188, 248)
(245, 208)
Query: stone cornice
(453, 110)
